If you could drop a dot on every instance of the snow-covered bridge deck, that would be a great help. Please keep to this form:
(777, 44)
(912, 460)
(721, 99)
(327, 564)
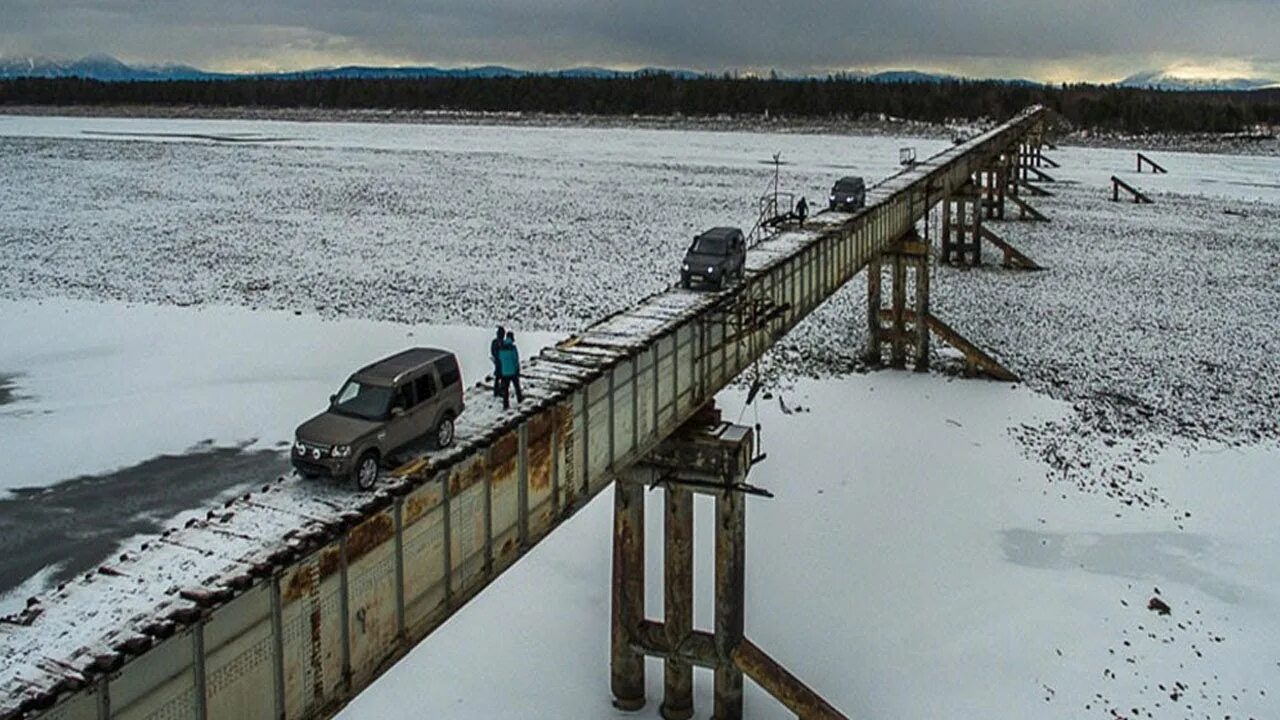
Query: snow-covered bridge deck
(289, 599)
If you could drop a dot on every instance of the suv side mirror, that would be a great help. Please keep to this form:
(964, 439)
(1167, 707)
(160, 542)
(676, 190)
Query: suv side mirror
(333, 399)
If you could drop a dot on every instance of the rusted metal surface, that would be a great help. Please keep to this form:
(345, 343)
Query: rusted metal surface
(677, 700)
(627, 665)
(369, 534)
(421, 500)
(698, 648)
(730, 601)
(782, 685)
(702, 455)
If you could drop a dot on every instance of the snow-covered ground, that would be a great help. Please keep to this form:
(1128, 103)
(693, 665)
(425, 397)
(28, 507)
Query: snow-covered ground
(122, 419)
(551, 227)
(999, 564)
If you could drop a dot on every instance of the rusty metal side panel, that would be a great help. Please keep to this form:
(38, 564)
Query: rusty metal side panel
(81, 706)
(466, 518)
(239, 673)
(666, 379)
(420, 501)
(544, 430)
(468, 473)
(571, 463)
(717, 370)
(598, 434)
(157, 685)
(424, 587)
(311, 616)
(644, 396)
(623, 413)
(685, 369)
(371, 583)
(505, 498)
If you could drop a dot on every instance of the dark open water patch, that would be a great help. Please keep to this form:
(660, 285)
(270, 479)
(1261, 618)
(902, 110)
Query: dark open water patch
(8, 388)
(77, 524)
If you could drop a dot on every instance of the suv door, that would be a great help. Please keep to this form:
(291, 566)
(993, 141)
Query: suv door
(399, 428)
(427, 413)
(740, 254)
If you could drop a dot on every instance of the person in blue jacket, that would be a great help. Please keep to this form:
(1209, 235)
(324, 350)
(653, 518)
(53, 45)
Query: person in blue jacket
(509, 366)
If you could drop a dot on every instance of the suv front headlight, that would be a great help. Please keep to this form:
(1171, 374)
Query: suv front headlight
(685, 266)
(299, 448)
(341, 451)
(711, 269)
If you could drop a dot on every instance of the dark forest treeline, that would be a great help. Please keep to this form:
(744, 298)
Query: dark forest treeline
(1087, 106)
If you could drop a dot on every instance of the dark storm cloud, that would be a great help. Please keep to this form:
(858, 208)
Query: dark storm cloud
(803, 35)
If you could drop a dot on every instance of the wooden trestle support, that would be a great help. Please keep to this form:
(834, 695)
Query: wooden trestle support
(905, 323)
(985, 196)
(710, 457)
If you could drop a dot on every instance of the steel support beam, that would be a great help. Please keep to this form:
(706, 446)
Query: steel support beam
(627, 665)
(730, 601)
(677, 702)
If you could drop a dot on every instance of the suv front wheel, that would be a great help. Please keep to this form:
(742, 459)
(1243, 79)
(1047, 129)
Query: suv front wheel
(366, 472)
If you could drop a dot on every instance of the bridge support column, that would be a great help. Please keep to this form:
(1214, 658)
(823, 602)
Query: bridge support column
(627, 665)
(872, 353)
(961, 241)
(992, 185)
(710, 457)
(677, 700)
(899, 325)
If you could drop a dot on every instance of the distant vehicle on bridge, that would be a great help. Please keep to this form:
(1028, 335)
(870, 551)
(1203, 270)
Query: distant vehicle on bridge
(849, 194)
(715, 257)
(381, 408)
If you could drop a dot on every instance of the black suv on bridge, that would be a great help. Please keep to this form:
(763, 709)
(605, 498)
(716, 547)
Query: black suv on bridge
(716, 256)
(849, 194)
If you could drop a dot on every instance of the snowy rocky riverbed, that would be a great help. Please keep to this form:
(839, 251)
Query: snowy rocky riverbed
(1159, 322)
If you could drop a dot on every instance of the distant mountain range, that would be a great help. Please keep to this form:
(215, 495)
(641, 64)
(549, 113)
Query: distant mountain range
(110, 69)
(1163, 80)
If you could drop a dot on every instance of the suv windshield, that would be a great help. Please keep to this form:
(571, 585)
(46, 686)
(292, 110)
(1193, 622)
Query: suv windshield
(847, 188)
(710, 245)
(356, 399)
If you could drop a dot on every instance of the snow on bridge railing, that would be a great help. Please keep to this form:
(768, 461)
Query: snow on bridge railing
(287, 600)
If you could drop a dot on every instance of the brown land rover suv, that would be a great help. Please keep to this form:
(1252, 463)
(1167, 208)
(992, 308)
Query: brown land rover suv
(381, 408)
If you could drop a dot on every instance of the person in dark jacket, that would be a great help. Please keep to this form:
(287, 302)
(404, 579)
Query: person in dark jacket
(494, 346)
(509, 362)
(802, 210)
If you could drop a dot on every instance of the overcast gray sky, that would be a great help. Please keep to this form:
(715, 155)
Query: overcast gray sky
(1042, 39)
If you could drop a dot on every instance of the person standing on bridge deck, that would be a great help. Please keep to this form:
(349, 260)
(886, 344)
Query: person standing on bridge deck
(494, 346)
(802, 210)
(509, 361)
